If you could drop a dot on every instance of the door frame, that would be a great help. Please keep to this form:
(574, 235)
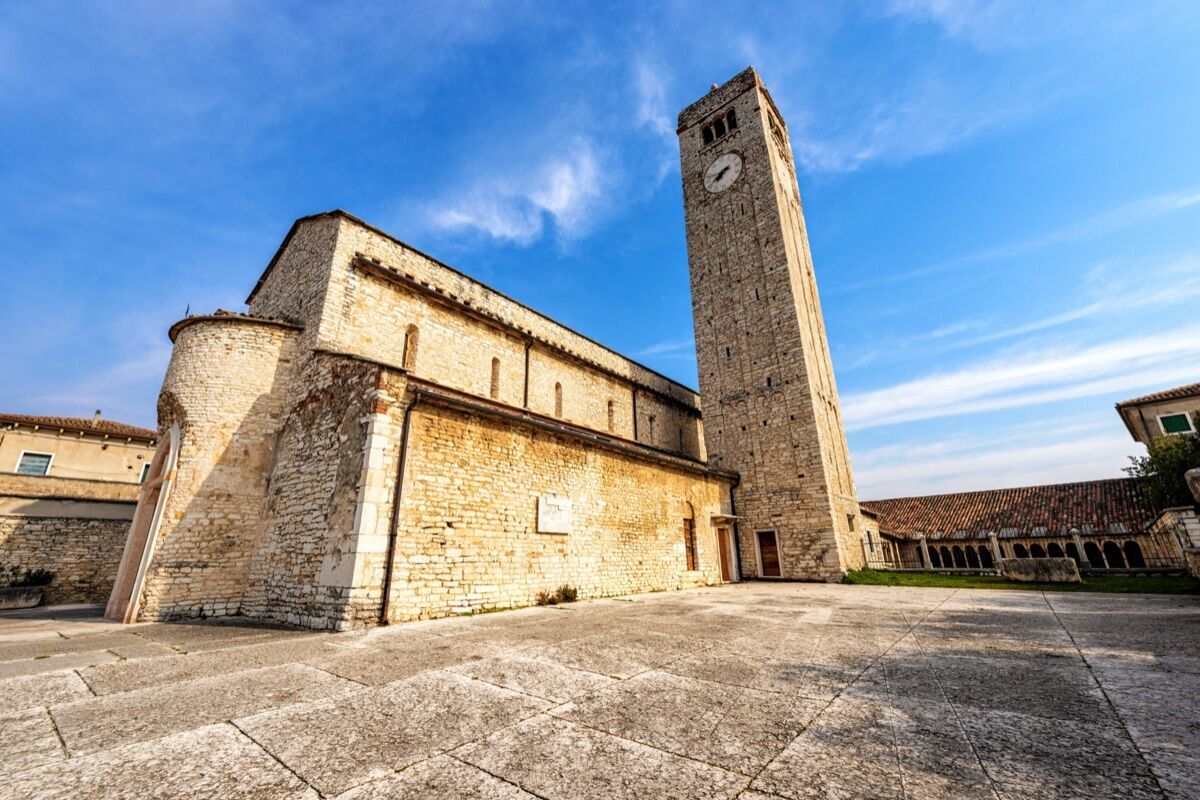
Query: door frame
(726, 545)
(758, 553)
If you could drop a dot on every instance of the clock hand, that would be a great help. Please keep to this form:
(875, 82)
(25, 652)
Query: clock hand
(721, 174)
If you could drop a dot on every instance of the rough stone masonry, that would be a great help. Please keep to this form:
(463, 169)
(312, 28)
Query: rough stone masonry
(383, 438)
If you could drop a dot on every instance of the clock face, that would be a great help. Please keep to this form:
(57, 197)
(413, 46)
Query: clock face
(722, 172)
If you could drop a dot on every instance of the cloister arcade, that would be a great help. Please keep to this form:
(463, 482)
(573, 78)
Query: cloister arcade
(1128, 551)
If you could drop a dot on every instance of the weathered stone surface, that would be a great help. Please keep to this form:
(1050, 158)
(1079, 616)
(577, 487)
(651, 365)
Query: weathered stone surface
(45, 689)
(214, 762)
(99, 723)
(439, 778)
(945, 694)
(1040, 570)
(538, 677)
(543, 755)
(27, 740)
(339, 743)
(740, 730)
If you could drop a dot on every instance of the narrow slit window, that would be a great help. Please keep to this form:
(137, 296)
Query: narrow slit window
(494, 391)
(612, 416)
(558, 408)
(411, 335)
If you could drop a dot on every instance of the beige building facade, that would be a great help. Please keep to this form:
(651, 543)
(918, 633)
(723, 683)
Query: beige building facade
(85, 448)
(1171, 411)
(382, 438)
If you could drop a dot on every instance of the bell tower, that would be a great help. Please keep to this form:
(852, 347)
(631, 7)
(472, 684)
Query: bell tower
(771, 408)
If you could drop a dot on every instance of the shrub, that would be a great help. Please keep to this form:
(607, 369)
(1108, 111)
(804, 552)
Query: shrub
(17, 576)
(1160, 472)
(564, 594)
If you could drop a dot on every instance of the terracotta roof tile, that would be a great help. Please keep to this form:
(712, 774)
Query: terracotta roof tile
(1190, 390)
(1055, 507)
(84, 424)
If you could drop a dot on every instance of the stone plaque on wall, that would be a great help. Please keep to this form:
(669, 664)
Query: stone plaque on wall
(554, 514)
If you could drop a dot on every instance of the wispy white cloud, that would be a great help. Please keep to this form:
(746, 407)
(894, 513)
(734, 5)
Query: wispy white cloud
(985, 24)
(971, 466)
(653, 110)
(1032, 377)
(565, 189)
(1122, 217)
(676, 349)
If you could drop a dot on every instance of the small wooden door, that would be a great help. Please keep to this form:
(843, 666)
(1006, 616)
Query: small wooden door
(768, 554)
(723, 550)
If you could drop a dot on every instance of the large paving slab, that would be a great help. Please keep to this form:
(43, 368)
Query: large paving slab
(756, 691)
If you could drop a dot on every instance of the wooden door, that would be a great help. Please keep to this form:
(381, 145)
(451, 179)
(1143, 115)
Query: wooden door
(768, 555)
(723, 551)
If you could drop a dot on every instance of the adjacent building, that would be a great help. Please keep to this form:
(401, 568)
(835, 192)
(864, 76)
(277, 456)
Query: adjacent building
(1171, 411)
(68, 490)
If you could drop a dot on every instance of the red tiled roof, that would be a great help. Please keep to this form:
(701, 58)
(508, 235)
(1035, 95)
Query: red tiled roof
(83, 424)
(1055, 507)
(1190, 390)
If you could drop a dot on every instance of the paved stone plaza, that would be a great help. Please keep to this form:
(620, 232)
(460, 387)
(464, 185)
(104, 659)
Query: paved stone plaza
(755, 691)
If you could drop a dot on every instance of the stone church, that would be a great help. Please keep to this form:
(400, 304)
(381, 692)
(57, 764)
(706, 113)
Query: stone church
(382, 438)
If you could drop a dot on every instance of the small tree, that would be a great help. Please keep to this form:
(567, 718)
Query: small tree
(1160, 472)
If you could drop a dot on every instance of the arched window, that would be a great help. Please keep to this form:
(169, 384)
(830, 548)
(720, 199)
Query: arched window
(972, 558)
(1092, 551)
(985, 557)
(1037, 551)
(558, 400)
(612, 416)
(1112, 554)
(1133, 555)
(1073, 551)
(411, 334)
(708, 134)
(719, 128)
(1019, 551)
(1054, 550)
(731, 119)
(495, 390)
(947, 561)
(935, 560)
(959, 561)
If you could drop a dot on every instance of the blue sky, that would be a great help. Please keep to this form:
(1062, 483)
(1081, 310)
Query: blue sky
(1003, 198)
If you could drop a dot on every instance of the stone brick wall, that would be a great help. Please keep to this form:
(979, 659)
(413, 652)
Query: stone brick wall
(468, 537)
(304, 571)
(770, 402)
(82, 553)
(12, 485)
(325, 279)
(226, 386)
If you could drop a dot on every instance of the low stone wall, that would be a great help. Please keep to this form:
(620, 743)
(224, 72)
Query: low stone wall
(82, 553)
(75, 528)
(1040, 570)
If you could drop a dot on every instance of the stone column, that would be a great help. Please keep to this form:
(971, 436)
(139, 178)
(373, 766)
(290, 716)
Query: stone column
(925, 553)
(995, 545)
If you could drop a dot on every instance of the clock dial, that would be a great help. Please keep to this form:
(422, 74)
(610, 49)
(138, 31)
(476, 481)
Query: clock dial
(722, 172)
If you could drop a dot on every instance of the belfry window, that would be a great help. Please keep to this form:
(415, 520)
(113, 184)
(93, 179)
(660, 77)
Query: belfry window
(720, 126)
